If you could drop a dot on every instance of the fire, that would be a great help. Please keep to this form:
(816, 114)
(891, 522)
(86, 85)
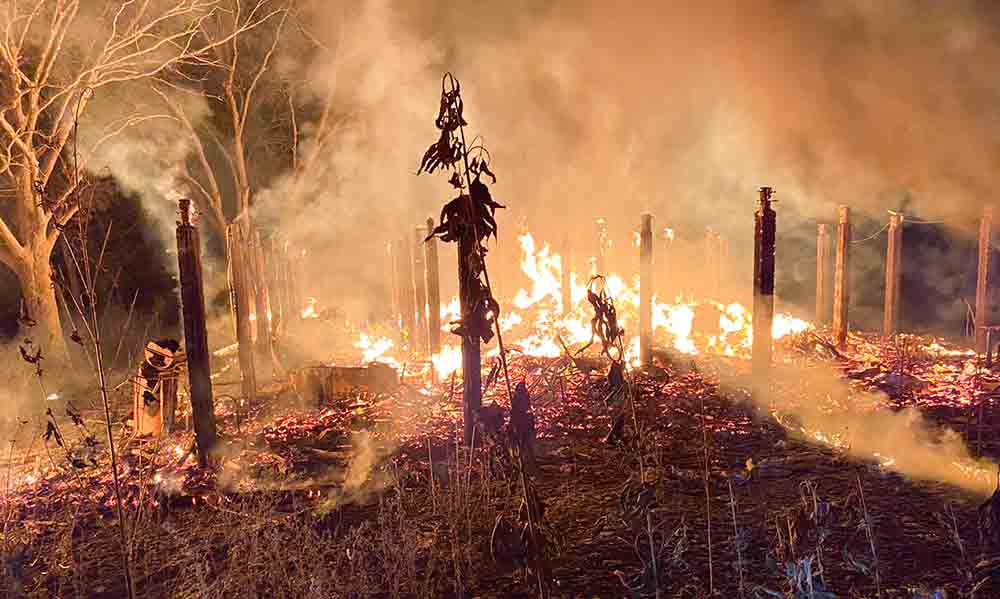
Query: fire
(374, 349)
(668, 233)
(447, 361)
(310, 310)
(536, 323)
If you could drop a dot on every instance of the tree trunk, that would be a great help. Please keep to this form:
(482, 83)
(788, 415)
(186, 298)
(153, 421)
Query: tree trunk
(40, 306)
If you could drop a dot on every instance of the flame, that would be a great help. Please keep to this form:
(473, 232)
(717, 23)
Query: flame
(536, 323)
(310, 310)
(668, 233)
(374, 349)
(447, 361)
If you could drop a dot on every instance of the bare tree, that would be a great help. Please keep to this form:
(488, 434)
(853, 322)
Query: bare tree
(244, 66)
(54, 55)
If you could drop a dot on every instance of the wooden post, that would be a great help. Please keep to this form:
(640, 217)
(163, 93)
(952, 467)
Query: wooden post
(565, 279)
(419, 292)
(822, 259)
(601, 263)
(711, 265)
(274, 292)
(720, 264)
(983, 307)
(239, 297)
(893, 274)
(763, 278)
(404, 285)
(263, 309)
(646, 286)
(472, 392)
(841, 278)
(433, 290)
(195, 333)
(668, 290)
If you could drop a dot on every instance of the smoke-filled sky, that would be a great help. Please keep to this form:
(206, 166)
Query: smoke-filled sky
(599, 109)
(681, 108)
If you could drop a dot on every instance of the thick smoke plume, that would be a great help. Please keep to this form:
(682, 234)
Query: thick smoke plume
(683, 109)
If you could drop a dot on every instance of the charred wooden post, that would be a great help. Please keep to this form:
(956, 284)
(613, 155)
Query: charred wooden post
(468, 287)
(763, 278)
(565, 279)
(841, 278)
(983, 307)
(240, 299)
(822, 259)
(420, 292)
(893, 274)
(646, 285)
(433, 290)
(404, 285)
(195, 332)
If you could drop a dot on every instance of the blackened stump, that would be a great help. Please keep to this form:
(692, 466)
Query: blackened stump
(195, 333)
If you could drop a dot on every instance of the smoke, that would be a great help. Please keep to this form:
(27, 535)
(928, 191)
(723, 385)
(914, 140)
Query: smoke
(821, 405)
(682, 109)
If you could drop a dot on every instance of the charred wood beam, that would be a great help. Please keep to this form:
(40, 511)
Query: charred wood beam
(195, 332)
